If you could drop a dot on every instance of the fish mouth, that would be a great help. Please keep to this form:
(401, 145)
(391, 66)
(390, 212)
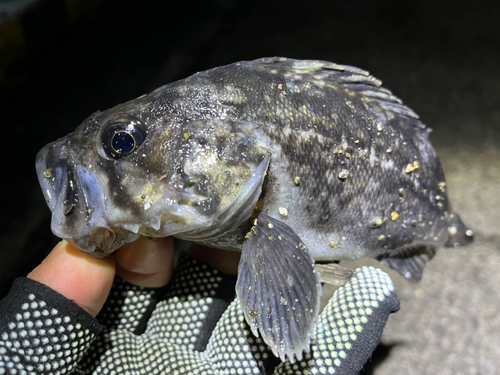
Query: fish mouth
(76, 200)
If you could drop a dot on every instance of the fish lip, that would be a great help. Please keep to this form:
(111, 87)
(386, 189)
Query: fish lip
(76, 199)
(47, 183)
(103, 241)
(73, 196)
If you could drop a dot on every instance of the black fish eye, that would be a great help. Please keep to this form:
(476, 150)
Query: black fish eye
(122, 138)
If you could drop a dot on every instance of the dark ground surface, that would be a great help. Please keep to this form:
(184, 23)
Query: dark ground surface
(441, 59)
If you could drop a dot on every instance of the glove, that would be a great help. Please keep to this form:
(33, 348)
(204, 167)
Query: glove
(192, 326)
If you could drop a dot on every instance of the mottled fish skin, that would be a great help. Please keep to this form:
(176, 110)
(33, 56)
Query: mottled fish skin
(352, 166)
(369, 180)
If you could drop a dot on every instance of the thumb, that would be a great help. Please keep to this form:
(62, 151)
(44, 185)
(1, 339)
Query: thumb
(77, 276)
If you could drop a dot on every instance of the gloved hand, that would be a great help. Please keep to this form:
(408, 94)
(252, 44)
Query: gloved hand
(191, 326)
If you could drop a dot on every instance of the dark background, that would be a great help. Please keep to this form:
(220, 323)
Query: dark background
(76, 57)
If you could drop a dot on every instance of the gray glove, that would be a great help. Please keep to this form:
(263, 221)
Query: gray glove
(191, 326)
(188, 328)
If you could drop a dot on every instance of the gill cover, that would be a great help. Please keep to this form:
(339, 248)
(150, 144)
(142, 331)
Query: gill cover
(217, 173)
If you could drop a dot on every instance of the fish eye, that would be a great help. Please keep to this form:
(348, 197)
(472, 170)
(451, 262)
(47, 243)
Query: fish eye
(121, 138)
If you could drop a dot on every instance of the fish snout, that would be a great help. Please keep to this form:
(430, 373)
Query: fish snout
(72, 194)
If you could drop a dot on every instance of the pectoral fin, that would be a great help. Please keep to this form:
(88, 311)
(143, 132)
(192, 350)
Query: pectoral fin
(279, 287)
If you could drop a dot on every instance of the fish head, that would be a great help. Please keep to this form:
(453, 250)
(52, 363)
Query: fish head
(124, 173)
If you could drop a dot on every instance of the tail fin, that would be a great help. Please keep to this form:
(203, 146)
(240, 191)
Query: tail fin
(459, 234)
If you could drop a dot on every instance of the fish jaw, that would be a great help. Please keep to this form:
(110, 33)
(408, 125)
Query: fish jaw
(63, 191)
(76, 201)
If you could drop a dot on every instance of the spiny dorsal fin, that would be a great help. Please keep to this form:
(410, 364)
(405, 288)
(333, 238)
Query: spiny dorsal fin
(356, 79)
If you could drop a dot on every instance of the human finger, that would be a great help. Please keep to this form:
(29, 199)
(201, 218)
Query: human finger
(146, 262)
(77, 276)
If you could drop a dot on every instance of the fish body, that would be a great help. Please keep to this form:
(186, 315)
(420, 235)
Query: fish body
(303, 160)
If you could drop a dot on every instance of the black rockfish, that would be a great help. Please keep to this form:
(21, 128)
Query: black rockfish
(288, 161)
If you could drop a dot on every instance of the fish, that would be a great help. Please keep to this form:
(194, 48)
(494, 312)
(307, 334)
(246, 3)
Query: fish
(295, 163)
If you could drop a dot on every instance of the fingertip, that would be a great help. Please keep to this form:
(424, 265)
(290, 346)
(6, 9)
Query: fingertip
(147, 262)
(77, 276)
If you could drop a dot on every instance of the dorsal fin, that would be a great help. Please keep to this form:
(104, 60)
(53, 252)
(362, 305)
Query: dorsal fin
(356, 79)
